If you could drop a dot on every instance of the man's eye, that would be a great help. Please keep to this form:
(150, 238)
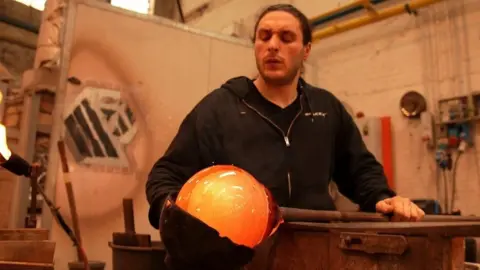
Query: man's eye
(264, 36)
(288, 37)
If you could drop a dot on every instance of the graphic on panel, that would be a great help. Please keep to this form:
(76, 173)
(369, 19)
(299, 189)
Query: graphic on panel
(99, 125)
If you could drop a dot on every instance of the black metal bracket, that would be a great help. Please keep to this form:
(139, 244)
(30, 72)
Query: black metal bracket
(410, 11)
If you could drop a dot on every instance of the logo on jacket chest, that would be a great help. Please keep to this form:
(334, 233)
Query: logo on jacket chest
(316, 114)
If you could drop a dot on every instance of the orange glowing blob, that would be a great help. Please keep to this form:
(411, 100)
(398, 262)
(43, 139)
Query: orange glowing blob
(231, 201)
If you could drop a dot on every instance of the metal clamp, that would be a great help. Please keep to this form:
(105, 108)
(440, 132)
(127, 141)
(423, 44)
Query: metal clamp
(374, 243)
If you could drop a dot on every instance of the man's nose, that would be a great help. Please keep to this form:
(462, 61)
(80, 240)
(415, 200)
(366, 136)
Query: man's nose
(273, 44)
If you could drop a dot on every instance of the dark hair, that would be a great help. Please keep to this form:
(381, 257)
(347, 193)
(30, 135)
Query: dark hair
(302, 19)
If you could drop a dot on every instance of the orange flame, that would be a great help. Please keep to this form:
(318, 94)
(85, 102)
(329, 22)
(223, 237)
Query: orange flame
(4, 150)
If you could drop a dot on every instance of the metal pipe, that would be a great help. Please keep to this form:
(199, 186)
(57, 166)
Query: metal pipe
(342, 11)
(17, 23)
(305, 215)
(371, 18)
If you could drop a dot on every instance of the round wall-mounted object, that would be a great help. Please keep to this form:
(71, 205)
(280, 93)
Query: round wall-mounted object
(412, 104)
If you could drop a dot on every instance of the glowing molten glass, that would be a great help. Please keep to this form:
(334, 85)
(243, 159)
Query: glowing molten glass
(232, 202)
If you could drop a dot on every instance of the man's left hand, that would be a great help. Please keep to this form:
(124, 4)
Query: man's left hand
(402, 209)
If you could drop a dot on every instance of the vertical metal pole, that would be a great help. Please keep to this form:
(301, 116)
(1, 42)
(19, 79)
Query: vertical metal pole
(26, 149)
(66, 41)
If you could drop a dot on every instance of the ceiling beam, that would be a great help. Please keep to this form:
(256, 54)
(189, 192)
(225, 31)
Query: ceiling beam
(192, 5)
(226, 14)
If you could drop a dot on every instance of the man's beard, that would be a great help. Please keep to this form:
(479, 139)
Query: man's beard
(280, 81)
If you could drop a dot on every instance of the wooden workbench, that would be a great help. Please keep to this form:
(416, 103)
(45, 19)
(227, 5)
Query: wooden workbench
(366, 245)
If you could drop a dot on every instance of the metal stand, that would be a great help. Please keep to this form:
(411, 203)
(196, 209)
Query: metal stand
(26, 148)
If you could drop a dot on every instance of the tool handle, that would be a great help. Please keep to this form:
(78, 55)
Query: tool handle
(128, 216)
(75, 222)
(63, 156)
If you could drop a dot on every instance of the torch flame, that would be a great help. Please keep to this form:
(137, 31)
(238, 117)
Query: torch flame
(4, 151)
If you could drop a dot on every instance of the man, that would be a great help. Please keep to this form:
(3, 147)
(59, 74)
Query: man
(294, 138)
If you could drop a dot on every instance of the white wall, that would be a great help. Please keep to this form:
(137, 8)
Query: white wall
(437, 54)
(222, 18)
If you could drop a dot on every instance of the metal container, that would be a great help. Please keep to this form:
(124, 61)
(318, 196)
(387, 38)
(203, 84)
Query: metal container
(141, 258)
(94, 265)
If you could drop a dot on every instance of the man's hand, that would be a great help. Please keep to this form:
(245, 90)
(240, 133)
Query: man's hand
(402, 209)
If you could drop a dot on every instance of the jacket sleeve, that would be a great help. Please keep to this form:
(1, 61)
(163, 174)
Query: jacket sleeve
(358, 174)
(181, 160)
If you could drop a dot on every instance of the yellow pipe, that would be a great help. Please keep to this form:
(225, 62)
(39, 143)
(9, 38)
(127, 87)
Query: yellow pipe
(371, 18)
(354, 4)
(368, 6)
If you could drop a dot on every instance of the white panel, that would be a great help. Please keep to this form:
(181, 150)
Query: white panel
(162, 71)
(371, 130)
(163, 78)
(229, 60)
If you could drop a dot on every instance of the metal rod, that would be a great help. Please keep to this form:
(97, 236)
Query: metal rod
(349, 6)
(343, 11)
(71, 198)
(371, 18)
(128, 216)
(305, 215)
(31, 220)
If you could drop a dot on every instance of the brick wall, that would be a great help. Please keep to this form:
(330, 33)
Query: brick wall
(17, 43)
(436, 54)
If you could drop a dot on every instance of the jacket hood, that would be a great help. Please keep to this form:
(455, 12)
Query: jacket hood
(238, 86)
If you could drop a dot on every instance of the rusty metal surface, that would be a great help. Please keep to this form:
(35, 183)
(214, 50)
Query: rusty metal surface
(307, 250)
(423, 253)
(263, 253)
(378, 244)
(374, 243)
(130, 237)
(297, 250)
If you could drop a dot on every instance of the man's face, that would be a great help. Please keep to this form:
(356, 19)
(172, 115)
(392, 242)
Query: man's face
(279, 49)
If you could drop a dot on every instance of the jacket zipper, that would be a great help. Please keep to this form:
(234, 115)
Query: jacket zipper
(285, 137)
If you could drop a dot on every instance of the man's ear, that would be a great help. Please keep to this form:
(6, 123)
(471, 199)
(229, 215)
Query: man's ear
(307, 48)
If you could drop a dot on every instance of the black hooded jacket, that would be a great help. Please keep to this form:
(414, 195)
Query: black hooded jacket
(227, 127)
